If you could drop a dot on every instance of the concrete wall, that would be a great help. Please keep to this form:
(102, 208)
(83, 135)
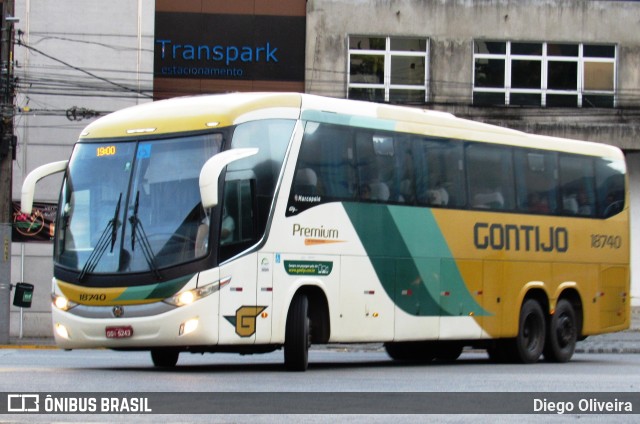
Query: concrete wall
(113, 41)
(452, 25)
(633, 164)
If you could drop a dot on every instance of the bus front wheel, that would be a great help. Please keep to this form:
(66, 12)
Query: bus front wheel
(529, 343)
(562, 333)
(297, 337)
(165, 358)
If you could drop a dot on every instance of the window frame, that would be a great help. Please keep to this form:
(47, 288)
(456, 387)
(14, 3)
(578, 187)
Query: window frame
(581, 60)
(388, 54)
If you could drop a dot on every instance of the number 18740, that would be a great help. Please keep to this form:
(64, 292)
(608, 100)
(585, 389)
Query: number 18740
(605, 241)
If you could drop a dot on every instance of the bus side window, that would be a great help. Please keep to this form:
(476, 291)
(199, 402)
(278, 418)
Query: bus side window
(490, 177)
(375, 164)
(437, 173)
(610, 187)
(238, 226)
(306, 182)
(536, 179)
(577, 188)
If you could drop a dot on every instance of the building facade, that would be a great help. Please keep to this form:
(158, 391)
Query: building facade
(567, 68)
(562, 67)
(75, 60)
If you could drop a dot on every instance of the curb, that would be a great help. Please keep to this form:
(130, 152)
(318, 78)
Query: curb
(29, 346)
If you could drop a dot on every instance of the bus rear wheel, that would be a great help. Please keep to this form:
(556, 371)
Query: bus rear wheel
(297, 339)
(562, 334)
(165, 358)
(411, 351)
(529, 343)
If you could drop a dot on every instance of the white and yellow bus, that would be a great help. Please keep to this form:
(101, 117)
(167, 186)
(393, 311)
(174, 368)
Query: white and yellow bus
(251, 222)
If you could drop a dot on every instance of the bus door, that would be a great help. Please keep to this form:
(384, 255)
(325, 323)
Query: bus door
(264, 298)
(245, 302)
(238, 308)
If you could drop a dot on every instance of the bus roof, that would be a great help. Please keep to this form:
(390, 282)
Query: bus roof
(196, 113)
(193, 113)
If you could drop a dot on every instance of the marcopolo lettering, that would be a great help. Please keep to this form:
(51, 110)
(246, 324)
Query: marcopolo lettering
(529, 238)
(218, 53)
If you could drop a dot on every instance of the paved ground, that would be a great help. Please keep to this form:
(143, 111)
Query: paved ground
(627, 341)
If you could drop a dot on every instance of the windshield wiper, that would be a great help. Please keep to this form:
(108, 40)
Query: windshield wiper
(138, 231)
(108, 236)
(134, 221)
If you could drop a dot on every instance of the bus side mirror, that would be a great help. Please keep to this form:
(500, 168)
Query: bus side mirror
(211, 172)
(29, 184)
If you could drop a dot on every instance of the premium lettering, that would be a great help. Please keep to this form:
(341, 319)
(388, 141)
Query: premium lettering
(528, 238)
(316, 232)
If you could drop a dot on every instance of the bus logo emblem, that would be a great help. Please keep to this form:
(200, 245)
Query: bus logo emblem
(245, 320)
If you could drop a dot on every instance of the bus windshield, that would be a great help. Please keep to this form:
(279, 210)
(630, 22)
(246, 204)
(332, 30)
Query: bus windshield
(132, 207)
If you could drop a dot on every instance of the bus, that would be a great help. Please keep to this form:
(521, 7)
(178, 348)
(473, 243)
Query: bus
(251, 222)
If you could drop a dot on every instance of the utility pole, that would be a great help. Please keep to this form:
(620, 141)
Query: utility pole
(7, 152)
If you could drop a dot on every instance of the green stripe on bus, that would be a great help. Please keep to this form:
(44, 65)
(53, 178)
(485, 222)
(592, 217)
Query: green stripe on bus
(348, 120)
(155, 291)
(410, 256)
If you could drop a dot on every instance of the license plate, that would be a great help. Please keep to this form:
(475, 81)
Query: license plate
(119, 332)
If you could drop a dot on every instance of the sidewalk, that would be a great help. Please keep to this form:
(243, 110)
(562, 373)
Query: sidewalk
(627, 341)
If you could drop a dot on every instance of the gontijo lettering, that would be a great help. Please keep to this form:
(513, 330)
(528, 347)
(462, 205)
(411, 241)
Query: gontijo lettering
(529, 238)
(218, 53)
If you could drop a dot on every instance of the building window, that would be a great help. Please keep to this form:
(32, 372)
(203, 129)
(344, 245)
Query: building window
(544, 74)
(388, 69)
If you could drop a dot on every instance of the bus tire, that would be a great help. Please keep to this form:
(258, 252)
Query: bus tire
(297, 337)
(529, 343)
(562, 333)
(410, 351)
(165, 358)
(448, 351)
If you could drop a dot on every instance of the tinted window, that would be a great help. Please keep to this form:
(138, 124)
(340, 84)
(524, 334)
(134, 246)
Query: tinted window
(490, 177)
(577, 189)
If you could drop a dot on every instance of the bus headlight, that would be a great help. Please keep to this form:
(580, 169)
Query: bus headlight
(61, 331)
(62, 302)
(190, 296)
(188, 327)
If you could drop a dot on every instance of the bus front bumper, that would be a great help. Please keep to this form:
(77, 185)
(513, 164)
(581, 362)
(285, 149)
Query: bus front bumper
(189, 325)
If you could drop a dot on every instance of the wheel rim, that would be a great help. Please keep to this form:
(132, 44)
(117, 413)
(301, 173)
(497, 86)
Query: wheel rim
(531, 332)
(564, 330)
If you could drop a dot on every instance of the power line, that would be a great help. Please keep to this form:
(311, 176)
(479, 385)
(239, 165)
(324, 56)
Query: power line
(91, 74)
